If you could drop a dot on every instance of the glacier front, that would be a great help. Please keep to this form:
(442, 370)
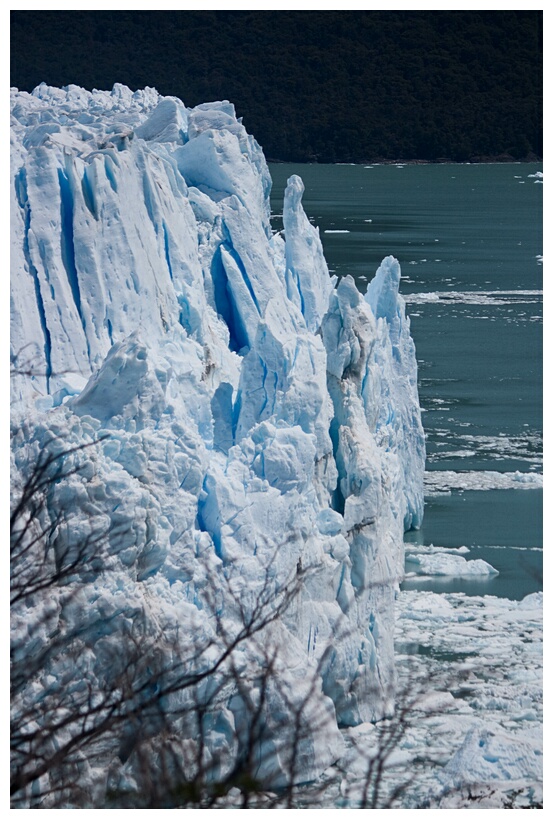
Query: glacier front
(226, 420)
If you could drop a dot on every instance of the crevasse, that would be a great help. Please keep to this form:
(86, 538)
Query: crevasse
(250, 411)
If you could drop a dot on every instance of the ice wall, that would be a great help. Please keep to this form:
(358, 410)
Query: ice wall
(253, 419)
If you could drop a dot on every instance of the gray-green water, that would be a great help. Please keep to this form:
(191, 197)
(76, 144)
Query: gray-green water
(469, 240)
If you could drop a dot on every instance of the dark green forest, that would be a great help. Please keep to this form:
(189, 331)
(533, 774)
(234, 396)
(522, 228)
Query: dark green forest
(326, 86)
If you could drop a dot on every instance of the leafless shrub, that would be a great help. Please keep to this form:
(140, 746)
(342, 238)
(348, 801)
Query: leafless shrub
(142, 735)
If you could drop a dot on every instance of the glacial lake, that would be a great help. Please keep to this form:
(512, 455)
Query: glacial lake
(469, 241)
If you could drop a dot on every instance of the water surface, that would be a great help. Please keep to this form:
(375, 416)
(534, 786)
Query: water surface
(469, 240)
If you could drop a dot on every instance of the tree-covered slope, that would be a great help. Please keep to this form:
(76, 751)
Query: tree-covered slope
(314, 85)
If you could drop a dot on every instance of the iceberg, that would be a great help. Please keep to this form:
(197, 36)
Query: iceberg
(449, 565)
(226, 417)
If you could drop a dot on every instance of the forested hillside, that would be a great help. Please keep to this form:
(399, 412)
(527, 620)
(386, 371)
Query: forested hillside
(314, 85)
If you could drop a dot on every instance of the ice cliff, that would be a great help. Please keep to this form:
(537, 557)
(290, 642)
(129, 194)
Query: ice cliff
(256, 421)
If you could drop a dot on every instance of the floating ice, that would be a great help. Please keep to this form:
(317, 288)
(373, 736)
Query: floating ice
(491, 756)
(431, 549)
(470, 676)
(489, 297)
(448, 565)
(526, 447)
(436, 482)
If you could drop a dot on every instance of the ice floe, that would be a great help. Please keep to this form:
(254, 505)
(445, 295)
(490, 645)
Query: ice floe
(526, 447)
(447, 565)
(484, 297)
(436, 482)
(470, 733)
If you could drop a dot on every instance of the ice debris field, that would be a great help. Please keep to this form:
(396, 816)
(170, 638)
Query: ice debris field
(250, 418)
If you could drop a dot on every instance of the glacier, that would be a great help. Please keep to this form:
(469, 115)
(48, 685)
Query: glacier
(247, 421)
